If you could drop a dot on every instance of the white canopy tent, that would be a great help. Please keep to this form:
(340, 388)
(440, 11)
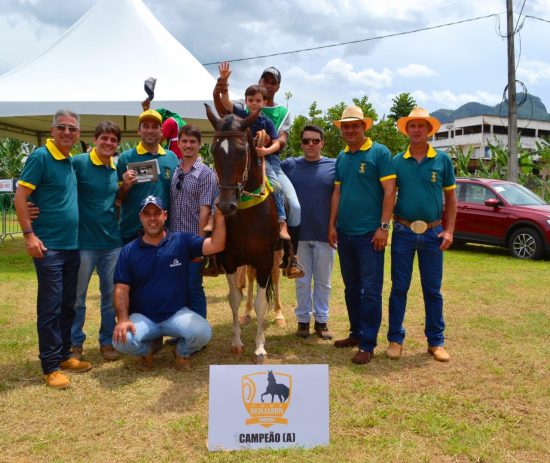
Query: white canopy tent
(97, 69)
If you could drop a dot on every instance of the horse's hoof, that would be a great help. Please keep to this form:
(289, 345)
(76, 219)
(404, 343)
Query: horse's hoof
(260, 359)
(280, 322)
(244, 320)
(237, 350)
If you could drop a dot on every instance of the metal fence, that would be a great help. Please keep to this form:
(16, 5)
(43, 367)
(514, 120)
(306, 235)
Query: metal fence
(9, 225)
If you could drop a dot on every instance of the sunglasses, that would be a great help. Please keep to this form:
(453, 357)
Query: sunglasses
(180, 181)
(307, 141)
(70, 128)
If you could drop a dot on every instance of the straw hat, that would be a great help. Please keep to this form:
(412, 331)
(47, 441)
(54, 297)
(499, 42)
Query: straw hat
(422, 114)
(351, 114)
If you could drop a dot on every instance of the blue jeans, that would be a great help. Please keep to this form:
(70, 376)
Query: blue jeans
(57, 274)
(317, 258)
(362, 270)
(192, 330)
(284, 190)
(197, 297)
(405, 244)
(104, 261)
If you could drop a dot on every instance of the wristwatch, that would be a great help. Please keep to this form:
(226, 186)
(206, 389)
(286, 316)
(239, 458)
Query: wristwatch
(385, 226)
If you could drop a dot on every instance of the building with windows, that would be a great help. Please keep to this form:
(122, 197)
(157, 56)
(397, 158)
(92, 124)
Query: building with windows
(478, 131)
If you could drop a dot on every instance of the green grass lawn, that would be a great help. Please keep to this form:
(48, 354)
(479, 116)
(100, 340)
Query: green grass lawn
(489, 404)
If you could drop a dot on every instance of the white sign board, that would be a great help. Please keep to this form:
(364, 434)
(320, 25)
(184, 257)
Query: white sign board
(6, 185)
(268, 406)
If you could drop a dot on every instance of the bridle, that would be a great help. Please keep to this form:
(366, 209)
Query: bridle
(239, 187)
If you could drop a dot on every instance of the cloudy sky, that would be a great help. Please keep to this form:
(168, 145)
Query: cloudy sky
(442, 68)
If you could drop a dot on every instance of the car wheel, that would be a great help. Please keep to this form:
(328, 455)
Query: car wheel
(526, 243)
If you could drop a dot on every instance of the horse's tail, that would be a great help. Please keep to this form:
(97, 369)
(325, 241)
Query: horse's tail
(285, 392)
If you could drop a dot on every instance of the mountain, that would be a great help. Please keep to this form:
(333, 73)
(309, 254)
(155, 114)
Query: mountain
(531, 108)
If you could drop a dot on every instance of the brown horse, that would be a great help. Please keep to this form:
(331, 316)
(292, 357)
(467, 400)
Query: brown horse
(251, 219)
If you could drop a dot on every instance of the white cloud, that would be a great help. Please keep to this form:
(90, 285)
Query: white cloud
(416, 70)
(448, 99)
(21, 36)
(533, 71)
(344, 72)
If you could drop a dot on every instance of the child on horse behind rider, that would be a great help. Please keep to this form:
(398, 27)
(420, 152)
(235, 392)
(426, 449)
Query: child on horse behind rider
(255, 100)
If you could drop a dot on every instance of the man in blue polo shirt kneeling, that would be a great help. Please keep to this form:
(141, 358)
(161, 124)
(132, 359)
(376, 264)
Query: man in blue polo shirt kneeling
(149, 294)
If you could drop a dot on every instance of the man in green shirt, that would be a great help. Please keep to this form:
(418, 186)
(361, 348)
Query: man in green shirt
(132, 190)
(361, 208)
(99, 235)
(48, 180)
(424, 176)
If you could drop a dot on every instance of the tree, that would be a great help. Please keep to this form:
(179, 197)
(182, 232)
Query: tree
(12, 154)
(402, 105)
(462, 160)
(384, 132)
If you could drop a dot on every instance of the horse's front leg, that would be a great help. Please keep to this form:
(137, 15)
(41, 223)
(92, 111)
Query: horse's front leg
(260, 306)
(235, 301)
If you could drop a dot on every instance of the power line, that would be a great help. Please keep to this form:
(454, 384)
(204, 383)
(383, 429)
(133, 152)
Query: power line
(519, 16)
(536, 17)
(356, 41)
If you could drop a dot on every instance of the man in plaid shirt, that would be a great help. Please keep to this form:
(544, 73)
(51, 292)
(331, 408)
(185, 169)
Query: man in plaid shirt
(192, 193)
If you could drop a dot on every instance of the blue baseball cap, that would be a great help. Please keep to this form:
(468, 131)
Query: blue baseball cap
(150, 200)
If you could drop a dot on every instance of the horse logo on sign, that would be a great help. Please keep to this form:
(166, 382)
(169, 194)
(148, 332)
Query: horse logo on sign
(278, 387)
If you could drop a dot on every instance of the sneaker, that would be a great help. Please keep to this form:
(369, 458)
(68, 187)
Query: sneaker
(181, 363)
(294, 269)
(394, 350)
(303, 330)
(57, 380)
(108, 352)
(321, 330)
(77, 352)
(74, 365)
(439, 353)
(145, 363)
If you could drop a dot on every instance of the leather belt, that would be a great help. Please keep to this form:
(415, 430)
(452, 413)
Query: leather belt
(417, 226)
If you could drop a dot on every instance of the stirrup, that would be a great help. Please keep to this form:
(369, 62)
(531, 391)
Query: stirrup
(293, 269)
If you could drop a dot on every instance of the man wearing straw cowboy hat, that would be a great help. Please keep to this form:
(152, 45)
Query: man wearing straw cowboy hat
(424, 175)
(361, 208)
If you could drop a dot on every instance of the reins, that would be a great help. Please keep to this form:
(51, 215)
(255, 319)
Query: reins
(239, 187)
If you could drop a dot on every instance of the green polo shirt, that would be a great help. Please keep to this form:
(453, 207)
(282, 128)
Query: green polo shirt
(97, 189)
(129, 212)
(420, 185)
(51, 177)
(360, 175)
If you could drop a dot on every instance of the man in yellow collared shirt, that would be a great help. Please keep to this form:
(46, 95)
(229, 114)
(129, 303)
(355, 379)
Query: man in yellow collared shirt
(131, 191)
(361, 208)
(424, 176)
(48, 180)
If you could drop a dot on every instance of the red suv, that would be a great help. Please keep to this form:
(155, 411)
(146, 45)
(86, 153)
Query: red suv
(502, 213)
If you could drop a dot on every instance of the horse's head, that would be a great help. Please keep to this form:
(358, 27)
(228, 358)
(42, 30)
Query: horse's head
(232, 149)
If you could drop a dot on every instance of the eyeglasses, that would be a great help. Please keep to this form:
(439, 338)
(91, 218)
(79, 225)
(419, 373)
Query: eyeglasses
(307, 141)
(70, 128)
(180, 181)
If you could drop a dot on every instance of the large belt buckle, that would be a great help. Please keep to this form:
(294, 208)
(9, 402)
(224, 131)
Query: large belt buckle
(419, 226)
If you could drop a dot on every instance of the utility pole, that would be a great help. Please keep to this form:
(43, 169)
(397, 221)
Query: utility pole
(512, 108)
